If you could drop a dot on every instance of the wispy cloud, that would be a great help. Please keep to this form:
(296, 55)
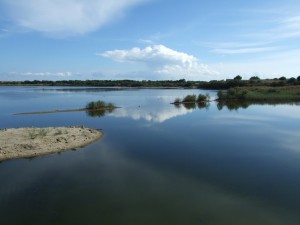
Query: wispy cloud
(35, 75)
(162, 60)
(145, 41)
(67, 17)
(279, 28)
(243, 50)
(283, 63)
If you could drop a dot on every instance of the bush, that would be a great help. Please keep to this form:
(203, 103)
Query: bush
(99, 105)
(282, 78)
(202, 98)
(238, 78)
(254, 78)
(189, 98)
(177, 101)
(221, 95)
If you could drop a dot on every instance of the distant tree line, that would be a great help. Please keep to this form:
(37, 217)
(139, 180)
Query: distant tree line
(237, 81)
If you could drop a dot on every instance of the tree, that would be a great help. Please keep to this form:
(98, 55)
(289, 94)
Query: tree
(298, 78)
(282, 78)
(238, 77)
(254, 78)
(292, 80)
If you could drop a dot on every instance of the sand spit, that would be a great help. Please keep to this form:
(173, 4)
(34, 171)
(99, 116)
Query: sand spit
(30, 141)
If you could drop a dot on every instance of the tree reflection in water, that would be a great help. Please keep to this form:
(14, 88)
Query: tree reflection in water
(235, 105)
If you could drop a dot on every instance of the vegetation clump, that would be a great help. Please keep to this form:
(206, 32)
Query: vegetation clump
(192, 99)
(98, 105)
(189, 98)
(99, 108)
(202, 98)
(33, 134)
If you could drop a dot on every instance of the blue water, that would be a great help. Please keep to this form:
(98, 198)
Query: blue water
(157, 163)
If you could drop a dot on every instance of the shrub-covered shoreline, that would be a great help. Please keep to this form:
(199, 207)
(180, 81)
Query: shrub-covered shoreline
(291, 93)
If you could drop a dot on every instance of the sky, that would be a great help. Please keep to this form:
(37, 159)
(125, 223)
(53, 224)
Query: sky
(148, 39)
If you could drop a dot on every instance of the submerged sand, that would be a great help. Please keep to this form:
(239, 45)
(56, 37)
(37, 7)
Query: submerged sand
(31, 141)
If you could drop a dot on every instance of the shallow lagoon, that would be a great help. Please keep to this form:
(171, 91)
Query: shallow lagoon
(157, 163)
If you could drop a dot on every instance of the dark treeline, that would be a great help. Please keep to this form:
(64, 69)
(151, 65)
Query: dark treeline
(182, 83)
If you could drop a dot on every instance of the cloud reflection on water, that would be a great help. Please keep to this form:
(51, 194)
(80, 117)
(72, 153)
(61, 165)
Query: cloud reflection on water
(151, 114)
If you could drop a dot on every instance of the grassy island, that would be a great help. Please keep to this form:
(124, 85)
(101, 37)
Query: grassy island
(92, 108)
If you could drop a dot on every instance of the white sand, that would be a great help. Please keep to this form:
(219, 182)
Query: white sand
(30, 142)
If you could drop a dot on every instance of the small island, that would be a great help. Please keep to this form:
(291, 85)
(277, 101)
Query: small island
(192, 99)
(94, 107)
(31, 142)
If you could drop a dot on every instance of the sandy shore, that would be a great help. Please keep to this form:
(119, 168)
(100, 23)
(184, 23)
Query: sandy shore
(31, 142)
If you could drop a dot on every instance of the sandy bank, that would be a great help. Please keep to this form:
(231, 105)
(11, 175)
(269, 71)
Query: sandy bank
(30, 142)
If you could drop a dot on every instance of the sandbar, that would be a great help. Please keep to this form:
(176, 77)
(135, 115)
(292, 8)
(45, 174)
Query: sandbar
(32, 141)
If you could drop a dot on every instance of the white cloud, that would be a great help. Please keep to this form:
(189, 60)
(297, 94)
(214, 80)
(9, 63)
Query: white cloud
(163, 61)
(66, 17)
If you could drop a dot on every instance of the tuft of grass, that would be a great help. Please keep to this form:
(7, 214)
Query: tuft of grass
(58, 132)
(38, 133)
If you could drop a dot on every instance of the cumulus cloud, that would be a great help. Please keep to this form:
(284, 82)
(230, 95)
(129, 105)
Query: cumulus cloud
(67, 17)
(163, 61)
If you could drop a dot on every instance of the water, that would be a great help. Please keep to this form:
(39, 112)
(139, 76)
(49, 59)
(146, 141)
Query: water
(157, 163)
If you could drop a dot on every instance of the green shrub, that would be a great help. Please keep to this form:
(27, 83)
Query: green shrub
(99, 105)
(177, 101)
(189, 98)
(202, 98)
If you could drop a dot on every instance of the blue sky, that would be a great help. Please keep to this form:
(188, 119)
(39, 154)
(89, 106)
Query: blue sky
(148, 39)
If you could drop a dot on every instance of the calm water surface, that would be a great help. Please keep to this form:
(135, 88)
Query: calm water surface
(157, 163)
